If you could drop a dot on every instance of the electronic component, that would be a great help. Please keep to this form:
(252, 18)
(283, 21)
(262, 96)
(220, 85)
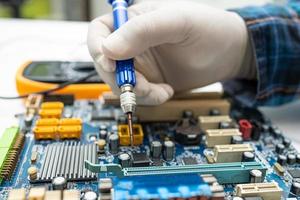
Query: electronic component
(172, 110)
(113, 143)
(140, 160)
(163, 187)
(105, 185)
(37, 193)
(67, 128)
(245, 128)
(230, 153)
(279, 148)
(32, 173)
(53, 195)
(236, 139)
(295, 189)
(45, 132)
(220, 136)
(156, 149)
(169, 150)
(256, 176)
(60, 159)
(189, 161)
(90, 195)
(71, 195)
(248, 156)
(268, 191)
(187, 131)
(225, 172)
(17, 194)
(66, 99)
(59, 183)
(11, 143)
(101, 145)
(124, 135)
(212, 122)
(282, 159)
(124, 160)
(291, 159)
(103, 134)
(295, 173)
(279, 169)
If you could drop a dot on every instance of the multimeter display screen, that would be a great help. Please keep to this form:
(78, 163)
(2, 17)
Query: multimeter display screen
(43, 69)
(59, 72)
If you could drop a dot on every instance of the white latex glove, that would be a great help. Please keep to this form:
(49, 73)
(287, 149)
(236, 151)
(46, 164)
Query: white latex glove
(177, 46)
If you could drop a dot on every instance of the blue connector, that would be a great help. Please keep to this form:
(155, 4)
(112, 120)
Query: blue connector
(124, 68)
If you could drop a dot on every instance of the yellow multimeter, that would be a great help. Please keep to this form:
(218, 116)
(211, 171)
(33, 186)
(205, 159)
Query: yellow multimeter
(36, 76)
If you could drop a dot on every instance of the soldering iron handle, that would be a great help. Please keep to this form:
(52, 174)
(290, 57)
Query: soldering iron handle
(124, 68)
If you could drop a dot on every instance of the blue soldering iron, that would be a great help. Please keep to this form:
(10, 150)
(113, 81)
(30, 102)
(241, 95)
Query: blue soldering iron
(125, 75)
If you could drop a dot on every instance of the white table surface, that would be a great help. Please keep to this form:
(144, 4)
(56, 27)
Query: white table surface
(22, 40)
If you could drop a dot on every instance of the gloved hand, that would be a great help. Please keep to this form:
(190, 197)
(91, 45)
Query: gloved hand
(177, 46)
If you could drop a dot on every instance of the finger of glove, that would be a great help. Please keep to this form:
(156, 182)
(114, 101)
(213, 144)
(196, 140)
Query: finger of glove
(150, 29)
(158, 94)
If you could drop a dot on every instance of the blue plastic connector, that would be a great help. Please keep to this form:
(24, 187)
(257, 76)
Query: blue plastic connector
(124, 68)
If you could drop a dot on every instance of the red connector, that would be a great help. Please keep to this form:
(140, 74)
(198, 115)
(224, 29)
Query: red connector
(245, 128)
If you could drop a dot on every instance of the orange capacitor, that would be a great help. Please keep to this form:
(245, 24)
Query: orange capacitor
(47, 122)
(52, 105)
(44, 132)
(70, 121)
(67, 132)
(50, 113)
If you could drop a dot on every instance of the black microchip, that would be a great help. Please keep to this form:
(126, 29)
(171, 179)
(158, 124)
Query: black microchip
(189, 161)
(295, 173)
(67, 99)
(140, 160)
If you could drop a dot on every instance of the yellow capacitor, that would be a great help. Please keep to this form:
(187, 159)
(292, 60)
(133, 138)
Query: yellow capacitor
(52, 105)
(50, 113)
(124, 135)
(47, 122)
(67, 132)
(70, 121)
(44, 132)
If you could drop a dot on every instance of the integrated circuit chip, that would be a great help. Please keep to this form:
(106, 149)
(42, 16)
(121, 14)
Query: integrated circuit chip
(140, 160)
(295, 173)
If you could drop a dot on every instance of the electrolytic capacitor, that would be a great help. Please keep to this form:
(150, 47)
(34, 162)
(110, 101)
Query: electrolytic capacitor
(103, 134)
(32, 173)
(214, 112)
(255, 176)
(224, 125)
(291, 159)
(298, 158)
(103, 127)
(237, 198)
(277, 133)
(114, 143)
(169, 150)
(59, 183)
(279, 148)
(236, 139)
(295, 189)
(124, 160)
(248, 156)
(156, 148)
(281, 159)
(287, 142)
(90, 195)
